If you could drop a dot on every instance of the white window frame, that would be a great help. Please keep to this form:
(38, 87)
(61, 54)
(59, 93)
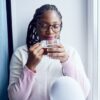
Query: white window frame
(93, 48)
(98, 49)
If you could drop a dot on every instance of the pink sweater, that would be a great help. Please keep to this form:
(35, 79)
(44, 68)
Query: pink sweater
(26, 85)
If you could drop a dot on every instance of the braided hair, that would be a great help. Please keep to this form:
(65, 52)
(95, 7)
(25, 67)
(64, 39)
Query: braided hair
(32, 35)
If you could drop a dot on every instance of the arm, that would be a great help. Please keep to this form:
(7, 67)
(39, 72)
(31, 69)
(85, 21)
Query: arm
(74, 68)
(21, 79)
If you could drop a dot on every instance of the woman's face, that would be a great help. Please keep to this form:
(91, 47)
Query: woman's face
(49, 25)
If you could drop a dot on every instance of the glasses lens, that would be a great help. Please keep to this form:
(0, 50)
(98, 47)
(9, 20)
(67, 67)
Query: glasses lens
(55, 28)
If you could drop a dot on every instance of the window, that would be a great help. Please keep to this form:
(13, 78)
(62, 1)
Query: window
(93, 50)
(98, 49)
(3, 51)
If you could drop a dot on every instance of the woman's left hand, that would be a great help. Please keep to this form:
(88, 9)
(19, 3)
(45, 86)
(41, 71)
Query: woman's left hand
(58, 52)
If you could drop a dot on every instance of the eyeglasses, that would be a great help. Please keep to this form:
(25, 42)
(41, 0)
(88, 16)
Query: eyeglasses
(55, 27)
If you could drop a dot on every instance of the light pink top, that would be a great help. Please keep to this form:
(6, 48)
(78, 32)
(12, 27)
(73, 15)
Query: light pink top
(27, 85)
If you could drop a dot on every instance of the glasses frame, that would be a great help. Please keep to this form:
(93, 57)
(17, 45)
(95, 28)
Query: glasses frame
(48, 27)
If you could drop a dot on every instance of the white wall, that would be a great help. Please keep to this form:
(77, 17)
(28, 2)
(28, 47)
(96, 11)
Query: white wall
(74, 14)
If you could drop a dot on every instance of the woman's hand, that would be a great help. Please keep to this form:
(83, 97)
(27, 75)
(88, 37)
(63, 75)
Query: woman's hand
(34, 56)
(58, 52)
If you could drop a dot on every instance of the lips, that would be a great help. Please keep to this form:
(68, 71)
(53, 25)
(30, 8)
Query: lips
(50, 37)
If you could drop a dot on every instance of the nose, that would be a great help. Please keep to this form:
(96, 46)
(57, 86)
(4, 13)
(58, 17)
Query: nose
(49, 31)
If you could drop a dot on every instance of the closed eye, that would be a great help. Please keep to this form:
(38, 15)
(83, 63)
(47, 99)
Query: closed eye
(56, 26)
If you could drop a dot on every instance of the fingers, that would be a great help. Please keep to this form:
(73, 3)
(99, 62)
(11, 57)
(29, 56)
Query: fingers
(32, 48)
(58, 52)
(40, 52)
(56, 55)
(56, 49)
(36, 49)
(59, 45)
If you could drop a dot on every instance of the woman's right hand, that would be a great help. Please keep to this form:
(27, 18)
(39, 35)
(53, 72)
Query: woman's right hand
(34, 56)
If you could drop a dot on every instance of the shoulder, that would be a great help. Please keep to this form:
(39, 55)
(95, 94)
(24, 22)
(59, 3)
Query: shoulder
(71, 50)
(22, 48)
(19, 56)
(74, 56)
(20, 52)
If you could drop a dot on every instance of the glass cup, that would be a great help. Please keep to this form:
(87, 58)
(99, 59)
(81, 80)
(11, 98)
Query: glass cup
(49, 44)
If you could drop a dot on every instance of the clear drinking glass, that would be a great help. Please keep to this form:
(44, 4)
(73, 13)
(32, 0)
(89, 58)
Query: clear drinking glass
(49, 44)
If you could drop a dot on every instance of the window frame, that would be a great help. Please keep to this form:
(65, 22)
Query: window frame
(93, 48)
(98, 49)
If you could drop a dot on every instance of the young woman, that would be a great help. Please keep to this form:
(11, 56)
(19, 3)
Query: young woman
(35, 75)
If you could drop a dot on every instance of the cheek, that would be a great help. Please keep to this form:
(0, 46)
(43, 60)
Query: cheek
(43, 35)
(58, 35)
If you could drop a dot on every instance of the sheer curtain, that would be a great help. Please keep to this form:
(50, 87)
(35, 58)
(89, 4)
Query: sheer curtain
(93, 48)
(3, 51)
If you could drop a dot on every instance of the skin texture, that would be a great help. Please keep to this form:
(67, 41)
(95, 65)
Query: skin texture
(36, 51)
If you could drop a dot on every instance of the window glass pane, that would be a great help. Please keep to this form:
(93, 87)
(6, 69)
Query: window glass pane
(3, 51)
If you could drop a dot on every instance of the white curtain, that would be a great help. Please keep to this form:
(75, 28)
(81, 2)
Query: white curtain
(93, 48)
